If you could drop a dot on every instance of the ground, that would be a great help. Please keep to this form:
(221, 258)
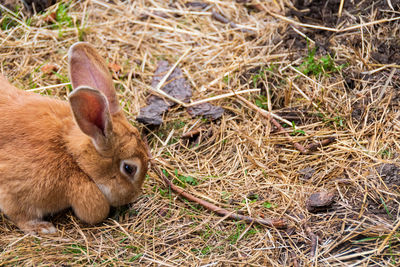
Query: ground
(328, 73)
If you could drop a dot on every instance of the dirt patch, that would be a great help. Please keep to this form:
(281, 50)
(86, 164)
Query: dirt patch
(387, 52)
(326, 12)
(31, 6)
(390, 174)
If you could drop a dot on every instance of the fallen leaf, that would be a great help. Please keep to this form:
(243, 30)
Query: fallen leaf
(152, 113)
(319, 201)
(176, 86)
(207, 110)
(49, 68)
(114, 67)
(50, 18)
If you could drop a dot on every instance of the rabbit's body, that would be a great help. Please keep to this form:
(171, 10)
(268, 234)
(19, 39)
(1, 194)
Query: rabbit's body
(32, 130)
(52, 158)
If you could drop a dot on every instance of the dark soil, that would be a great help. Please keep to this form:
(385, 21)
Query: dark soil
(390, 174)
(31, 6)
(326, 12)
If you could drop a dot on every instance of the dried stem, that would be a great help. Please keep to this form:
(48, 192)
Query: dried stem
(314, 240)
(268, 116)
(278, 223)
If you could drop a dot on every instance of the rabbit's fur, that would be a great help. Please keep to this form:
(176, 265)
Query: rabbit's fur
(54, 154)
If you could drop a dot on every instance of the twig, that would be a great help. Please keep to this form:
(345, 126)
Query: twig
(262, 111)
(383, 245)
(217, 97)
(304, 150)
(354, 27)
(314, 240)
(191, 133)
(294, 259)
(314, 146)
(295, 144)
(305, 25)
(269, 115)
(362, 25)
(340, 8)
(278, 223)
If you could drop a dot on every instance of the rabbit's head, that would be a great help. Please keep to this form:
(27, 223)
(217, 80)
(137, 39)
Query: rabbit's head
(111, 151)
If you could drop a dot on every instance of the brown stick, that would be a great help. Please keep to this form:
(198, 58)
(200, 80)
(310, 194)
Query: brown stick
(278, 223)
(295, 144)
(314, 240)
(192, 133)
(294, 259)
(325, 142)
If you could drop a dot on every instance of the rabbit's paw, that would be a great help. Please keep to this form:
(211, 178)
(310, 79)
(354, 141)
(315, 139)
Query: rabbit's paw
(37, 227)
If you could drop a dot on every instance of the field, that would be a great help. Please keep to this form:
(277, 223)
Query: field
(326, 71)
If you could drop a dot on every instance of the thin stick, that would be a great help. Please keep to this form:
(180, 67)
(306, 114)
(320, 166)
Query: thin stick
(314, 240)
(191, 133)
(340, 8)
(295, 144)
(299, 23)
(263, 112)
(161, 83)
(278, 223)
(368, 24)
(221, 96)
(48, 87)
(383, 245)
(269, 115)
(325, 142)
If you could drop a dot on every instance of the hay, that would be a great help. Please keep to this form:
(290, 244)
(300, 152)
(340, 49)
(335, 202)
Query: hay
(241, 162)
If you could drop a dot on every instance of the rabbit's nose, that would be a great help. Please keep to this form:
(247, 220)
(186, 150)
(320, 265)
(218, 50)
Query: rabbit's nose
(135, 196)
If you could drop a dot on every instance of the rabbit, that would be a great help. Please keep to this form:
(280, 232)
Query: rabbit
(54, 155)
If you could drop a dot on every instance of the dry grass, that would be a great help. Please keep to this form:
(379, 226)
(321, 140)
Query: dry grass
(244, 164)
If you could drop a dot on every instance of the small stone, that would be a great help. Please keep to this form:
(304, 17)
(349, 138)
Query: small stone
(319, 201)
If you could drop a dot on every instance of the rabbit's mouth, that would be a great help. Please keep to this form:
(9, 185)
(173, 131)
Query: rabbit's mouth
(121, 199)
(106, 191)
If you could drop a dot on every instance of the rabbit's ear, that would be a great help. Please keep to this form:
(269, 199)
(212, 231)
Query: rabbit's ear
(87, 68)
(90, 109)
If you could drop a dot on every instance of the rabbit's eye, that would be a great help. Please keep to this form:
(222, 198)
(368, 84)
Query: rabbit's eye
(129, 169)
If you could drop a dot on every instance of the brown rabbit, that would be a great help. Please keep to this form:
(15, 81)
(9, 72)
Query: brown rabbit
(55, 155)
